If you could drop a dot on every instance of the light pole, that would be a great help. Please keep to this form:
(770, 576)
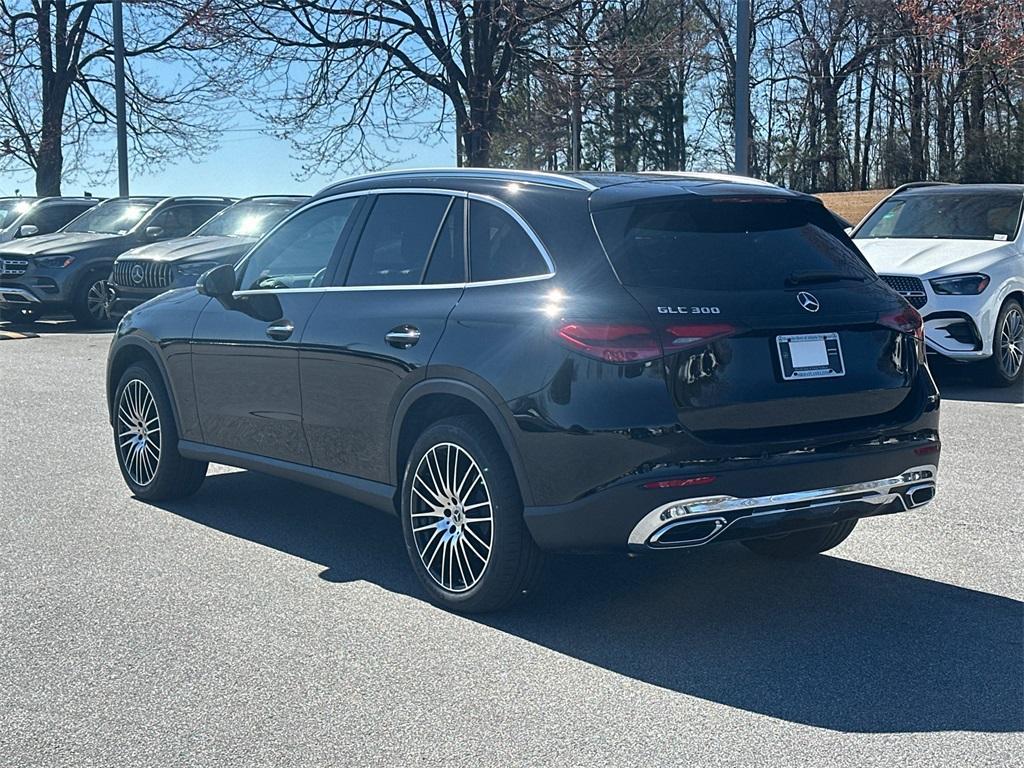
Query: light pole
(119, 102)
(742, 111)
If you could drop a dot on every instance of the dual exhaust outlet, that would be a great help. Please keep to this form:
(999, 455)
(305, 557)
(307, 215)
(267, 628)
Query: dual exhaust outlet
(699, 521)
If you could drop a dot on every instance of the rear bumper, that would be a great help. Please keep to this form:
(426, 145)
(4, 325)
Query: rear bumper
(762, 498)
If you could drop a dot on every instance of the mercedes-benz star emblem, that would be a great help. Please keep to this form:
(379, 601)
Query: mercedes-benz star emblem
(808, 301)
(137, 274)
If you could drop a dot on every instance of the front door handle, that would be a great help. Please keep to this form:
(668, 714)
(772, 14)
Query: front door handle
(280, 330)
(403, 337)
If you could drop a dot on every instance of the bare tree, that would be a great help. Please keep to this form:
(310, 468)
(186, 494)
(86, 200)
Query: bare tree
(350, 76)
(56, 82)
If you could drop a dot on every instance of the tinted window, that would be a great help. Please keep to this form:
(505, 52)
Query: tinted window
(50, 218)
(111, 217)
(957, 216)
(448, 261)
(397, 239)
(723, 243)
(181, 220)
(499, 248)
(296, 254)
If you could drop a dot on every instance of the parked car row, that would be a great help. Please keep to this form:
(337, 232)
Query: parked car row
(115, 254)
(954, 252)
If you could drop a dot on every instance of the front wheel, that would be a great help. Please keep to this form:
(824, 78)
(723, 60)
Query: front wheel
(802, 543)
(1006, 366)
(462, 518)
(146, 439)
(92, 302)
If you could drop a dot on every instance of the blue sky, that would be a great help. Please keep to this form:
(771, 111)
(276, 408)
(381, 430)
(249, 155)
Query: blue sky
(247, 163)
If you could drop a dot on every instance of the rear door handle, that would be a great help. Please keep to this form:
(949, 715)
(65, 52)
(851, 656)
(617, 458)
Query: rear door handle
(403, 337)
(280, 330)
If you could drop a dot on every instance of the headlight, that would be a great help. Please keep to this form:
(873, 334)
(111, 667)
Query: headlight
(54, 262)
(194, 268)
(960, 285)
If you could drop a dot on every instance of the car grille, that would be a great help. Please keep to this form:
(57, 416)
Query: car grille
(140, 273)
(910, 288)
(12, 267)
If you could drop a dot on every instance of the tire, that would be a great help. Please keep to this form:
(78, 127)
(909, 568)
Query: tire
(1006, 366)
(90, 304)
(146, 439)
(477, 555)
(802, 543)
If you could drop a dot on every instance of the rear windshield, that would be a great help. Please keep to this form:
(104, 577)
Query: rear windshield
(724, 243)
(960, 216)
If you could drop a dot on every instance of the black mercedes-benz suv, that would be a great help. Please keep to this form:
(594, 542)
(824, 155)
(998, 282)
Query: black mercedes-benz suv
(147, 271)
(67, 271)
(516, 362)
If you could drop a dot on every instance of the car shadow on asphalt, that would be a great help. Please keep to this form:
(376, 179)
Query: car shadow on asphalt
(959, 382)
(48, 327)
(825, 642)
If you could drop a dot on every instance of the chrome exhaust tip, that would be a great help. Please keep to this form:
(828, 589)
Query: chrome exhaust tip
(688, 533)
(920, 495)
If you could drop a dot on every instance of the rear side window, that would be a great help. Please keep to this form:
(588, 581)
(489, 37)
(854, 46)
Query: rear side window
(448, 261)
(499, 248)
(723, 243)
(397, 240)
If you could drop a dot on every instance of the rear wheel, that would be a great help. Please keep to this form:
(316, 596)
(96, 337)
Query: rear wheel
(462, 518)
(146, 439)
(1006, 366)
(802, 543)
(92, 301)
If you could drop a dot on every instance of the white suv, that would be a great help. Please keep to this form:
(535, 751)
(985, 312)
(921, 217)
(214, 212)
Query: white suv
(956, 253)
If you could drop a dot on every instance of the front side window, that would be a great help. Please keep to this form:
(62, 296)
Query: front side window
(297, 254)
(50, 218)
(113, 217)
(499, 248)
(947, 216)
(181, 220)
(397, 239)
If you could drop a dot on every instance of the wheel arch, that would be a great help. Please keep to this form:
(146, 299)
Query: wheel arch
(130, 351)
(436, 399)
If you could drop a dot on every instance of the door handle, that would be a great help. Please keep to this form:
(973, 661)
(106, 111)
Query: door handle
(280, 330)
(403, 337)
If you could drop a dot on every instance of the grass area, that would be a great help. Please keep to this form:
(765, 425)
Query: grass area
(853, 206)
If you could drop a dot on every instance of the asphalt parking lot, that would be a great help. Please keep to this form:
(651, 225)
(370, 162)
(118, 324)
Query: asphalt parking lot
(263, 623)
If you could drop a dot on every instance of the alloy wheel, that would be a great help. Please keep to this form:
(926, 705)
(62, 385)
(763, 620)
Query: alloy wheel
(452, 518)
(1011, 342)
(97, 300)
(138, 432)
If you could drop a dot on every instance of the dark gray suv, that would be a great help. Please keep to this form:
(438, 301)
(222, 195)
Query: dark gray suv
(67, 271)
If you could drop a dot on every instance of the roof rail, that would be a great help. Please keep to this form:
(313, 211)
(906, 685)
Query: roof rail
(916, 184)
(503, 174)
(703, 176)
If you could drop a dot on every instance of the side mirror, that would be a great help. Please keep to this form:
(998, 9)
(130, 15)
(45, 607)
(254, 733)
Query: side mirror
(218, 282)
(27, 230)
(154, 232)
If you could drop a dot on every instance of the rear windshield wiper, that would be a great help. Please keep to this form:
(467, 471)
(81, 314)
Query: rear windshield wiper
(807, 277)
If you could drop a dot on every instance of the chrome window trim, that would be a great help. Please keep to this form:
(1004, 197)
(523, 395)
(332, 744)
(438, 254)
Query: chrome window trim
(458, 193)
